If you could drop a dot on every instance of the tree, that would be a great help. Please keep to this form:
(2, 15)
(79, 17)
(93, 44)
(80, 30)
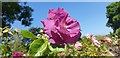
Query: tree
(113, 15)
(118, 32)
(35, 30)
(12, 11)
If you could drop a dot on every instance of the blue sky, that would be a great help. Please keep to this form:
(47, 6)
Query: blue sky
(90, 15)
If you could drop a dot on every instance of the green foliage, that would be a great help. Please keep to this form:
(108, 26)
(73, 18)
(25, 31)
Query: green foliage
(37, 47)
(18, 45)
(4, 48)
(28, 34)
(11, 43)
(12, 11)
(113, 15)
(118, 32)
(40, 46)
(57, 50)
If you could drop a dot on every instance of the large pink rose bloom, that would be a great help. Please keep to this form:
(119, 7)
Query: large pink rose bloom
(61, 28)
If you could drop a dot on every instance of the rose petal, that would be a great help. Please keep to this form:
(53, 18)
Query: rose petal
(56, 37)
(48, 26)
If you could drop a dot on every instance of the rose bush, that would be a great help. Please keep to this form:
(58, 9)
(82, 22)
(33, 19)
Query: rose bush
(60, 29)
(40, 46)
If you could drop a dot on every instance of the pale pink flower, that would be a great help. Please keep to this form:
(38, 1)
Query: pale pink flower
(78, 45)
(61, 28)
(107, 39)
(88, 36)
(95, 41)
(93, 38)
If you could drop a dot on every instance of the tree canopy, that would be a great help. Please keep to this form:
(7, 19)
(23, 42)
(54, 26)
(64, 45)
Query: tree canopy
(12, 11)
(113, 15)
(35, 30)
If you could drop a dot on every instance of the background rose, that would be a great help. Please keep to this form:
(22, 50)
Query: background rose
(88, 36)
(78, 45)
(17, 54)
(107, 39)
(61, 28)
(95, 41)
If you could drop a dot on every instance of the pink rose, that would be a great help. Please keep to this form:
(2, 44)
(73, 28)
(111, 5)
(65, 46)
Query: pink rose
(88, 36)
(17, 54)
(61, 28)
(107, 39)
(78, 45)
(93, 38)
(95, 41)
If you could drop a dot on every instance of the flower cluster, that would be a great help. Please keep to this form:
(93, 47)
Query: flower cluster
(94, 40)
(61, 28)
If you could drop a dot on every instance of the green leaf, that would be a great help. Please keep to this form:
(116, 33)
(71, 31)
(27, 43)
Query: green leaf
(50, 47)
(38, 47)
(57, 50)
(4, 48)
(28, 34)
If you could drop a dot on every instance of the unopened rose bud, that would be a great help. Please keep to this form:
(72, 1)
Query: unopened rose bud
(10, 33)
(16, 30)
(45, 36)
(6, 30)
(25, 54)
(38, 35)
(41, 30)
(1, 33)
